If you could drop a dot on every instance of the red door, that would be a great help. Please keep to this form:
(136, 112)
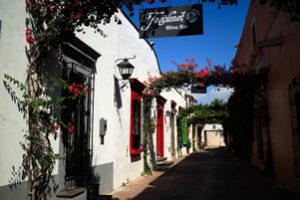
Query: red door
(160, 132)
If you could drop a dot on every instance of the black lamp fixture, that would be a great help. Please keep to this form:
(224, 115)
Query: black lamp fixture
(172, 112)
(125, 68)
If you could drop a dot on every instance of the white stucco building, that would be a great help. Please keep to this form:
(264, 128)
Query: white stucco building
(110, 117)
(212, 135)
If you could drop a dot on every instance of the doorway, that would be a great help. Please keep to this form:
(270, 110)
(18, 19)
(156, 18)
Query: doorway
(160, 132)
(76, 115)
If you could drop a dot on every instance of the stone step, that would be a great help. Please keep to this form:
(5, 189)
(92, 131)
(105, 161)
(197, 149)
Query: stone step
(159, 159)
(74, 194)
(164, 165)
(166, 162)
(82, 193)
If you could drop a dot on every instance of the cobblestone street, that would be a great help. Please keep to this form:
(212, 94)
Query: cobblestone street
(213, 174)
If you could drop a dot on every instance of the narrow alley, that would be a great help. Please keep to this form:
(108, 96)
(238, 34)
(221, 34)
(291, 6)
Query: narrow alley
(213, 174)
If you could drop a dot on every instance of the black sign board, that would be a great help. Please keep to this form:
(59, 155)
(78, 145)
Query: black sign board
(198, 89)
(171, 21)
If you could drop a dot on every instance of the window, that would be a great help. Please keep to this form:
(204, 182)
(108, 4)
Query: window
(136, 130)
(294, 95)
(135, 119)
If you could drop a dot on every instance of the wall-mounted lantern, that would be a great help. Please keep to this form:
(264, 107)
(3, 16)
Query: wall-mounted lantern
(172, 112)
(125, 67)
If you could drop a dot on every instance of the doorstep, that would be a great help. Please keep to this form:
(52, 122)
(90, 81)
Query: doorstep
(69, 194)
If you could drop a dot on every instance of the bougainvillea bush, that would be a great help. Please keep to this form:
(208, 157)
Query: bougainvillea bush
(189, 73)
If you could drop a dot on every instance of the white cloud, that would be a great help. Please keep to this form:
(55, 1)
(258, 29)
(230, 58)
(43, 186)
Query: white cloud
(214, 93)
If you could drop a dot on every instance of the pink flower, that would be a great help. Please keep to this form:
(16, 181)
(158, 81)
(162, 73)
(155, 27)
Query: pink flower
(80, 86)
(150, 1)
(85, 92)
(26, 2)
(56, 127)
(77, 15)
(182, 65)
(203, 72)
(163, 78)
(151, 92)
(30, 39)
(169, 71)
(201, 85)
(28, 31)
(70, 128)
(190, 66)
(72, 86)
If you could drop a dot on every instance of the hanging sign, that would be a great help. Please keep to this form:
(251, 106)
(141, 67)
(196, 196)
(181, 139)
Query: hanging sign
(198, 89)
(171, 21)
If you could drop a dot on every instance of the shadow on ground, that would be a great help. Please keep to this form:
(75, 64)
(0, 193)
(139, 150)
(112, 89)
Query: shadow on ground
(215, 174)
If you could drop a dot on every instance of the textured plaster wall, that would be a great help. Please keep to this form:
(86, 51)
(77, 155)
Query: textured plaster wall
(283, 62)
(178, 97)
(122, 41)
(13, 61)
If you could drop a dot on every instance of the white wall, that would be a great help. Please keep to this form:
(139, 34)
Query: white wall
(178, 97)
(13, 61)
(121, 41)
(214, 135)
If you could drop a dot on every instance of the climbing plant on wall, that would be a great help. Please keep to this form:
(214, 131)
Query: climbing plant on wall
(247, 80)
(50, 24)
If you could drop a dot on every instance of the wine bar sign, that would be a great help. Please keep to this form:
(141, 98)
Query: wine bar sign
(171, 21)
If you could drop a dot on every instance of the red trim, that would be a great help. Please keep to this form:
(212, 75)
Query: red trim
(134, 152)
(160, 100)
(160, 128)
(137, 85)
(136, 95)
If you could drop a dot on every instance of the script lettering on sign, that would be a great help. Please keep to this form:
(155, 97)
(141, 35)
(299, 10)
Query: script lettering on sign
(171, 21)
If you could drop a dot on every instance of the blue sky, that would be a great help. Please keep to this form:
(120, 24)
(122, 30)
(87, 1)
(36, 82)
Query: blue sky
(222, 30)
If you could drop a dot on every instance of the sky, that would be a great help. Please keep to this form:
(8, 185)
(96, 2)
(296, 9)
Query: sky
(222, 29)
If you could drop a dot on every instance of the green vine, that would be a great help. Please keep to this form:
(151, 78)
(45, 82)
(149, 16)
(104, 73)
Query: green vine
(148, 129)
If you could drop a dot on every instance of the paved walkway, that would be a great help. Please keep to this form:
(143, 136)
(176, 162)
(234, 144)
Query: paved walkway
(208, 175)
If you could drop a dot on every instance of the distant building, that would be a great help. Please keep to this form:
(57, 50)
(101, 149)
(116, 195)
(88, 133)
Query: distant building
(212, 136)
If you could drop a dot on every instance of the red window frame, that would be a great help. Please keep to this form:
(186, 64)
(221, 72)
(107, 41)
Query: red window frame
(160, 126)
(135, 117)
